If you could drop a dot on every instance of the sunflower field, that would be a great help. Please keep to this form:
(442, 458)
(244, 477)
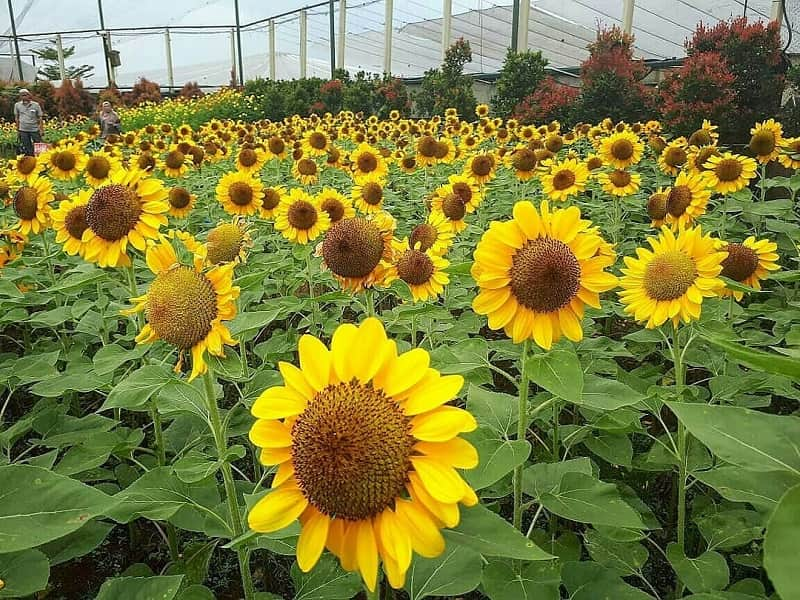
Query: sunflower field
(341, 357)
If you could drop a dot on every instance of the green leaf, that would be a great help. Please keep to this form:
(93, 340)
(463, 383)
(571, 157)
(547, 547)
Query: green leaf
(196, 592)
(9, 290)
(559, 372)
(541, 478)
(178, 396)
(326, 581)
(607, 394)
(78, 543)
(51, 318)
(747, 438)
(456, 571)
(536, 581)
(624, 558)
(730, 529)
(490, 534)
(164, 587)
(782, 545)
(36, 367)
(498, 457)
(762, 490)
(249, 322)
(108, 358)
(136, 389)
(195, 466)
(706, 573)
(38, 506)
(590, 581)
(492, 409)
(615, 448)
(756, 359)
(585, 499)
(194, 562)
(23, 573)
(56, 386)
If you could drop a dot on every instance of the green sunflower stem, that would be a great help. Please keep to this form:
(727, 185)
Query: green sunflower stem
(134, 291)
(50, 269)
(373, 594)
(235, 515)
(370, 296)
(682, 444)
(310, 277)
(243, 350)
(161, 457)
(522, 428)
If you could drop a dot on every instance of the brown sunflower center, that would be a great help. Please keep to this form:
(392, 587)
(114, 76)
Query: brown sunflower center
(563, 179)
(146, 162)
(453, 207)
(276, 145)
(248, 157)
(270, 199)
(224, 243)
(351, 449)
(762, 143)
(306, 167)
(595, 162)
(619, 178)
(441, 150)
(668, 275)
(65, 160)
(425, 235)
(409, 162)
(372, 193)
(113, 211)
(26, 165)
(179, 197)
(302, 215)
(334, 207)
(25, 204)
(463, 191)
(75, 222)
(482, 165)
(554, 143)
(427, 146)
(728, 169)
(353, 247)
(240, 193)
(675, 156)
(333, 156)
(415, 267)
(678, 200)
(524, 160)
(741, 262)
(545, 275)
(317, 140)
(622, 149)
(657, 206)
(703, 155)
(198, 154)
(98, 167)
(174, 159)
(181, 305)
(367, 162)
(701, 137)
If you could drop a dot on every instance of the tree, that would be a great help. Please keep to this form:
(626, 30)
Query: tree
(50, 69)
(520, 76)
(448, 86)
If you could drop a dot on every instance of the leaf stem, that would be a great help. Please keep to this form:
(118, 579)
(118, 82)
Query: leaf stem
(522, 428)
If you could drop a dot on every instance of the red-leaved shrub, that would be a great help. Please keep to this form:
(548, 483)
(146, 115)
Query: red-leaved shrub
(72, 99)
(552, 101)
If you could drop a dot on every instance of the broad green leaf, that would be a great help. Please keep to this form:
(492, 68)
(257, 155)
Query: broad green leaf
(195, 466)
(726, 595)
(9, 290)
(731, 528)
(251, 322)
(108, 358)
(625, 558)
(456, 571)
(77, 282)
(178, 396)
(326, 581)
(194, 561)
(228, 366)
(36, 367)
(583, 498)
(747, 438)
(51, 318)
(782, 545)
(38, 506)
(164, 587)
(756, 359)
(490, 534)
(498, 457)
(706, 573)
(588, 580)
(78, 543)
(616, 449)
(536, 581)
(55, 387)
(607, 394)
(493, 409)
(763, 490)
(136, 389)
(559, 372)
(541, 478)
(23, 573)
(196, 592)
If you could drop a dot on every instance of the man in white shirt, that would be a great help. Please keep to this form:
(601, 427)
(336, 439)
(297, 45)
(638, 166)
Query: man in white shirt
(28, 115)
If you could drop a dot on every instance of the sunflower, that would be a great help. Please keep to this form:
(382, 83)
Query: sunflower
(23, 168)
(593, 162)
(316, 142)
(670, 281)
(240, 193)
(790, 153)
(657, 207)
(705, 136)
(12, 243)
(299, 217)
(306, 171)
(65, 162)
(468, 189)
(729, 172)
(358, 250)
(174, 164)
(185, 306)
(673, 157)
(621, 150)
(481, 167)
(564, 179)
(270, 199)
(32, 204)
(435, 235)
(366, 450)
(69, 222)
(368, 194)
(228, 242)
(620, 182)
(482, 111)
(130, 209)
(250, 160)
(337, 205)
(181, 202)
(538, 271)
(687, 200)
(421, 270)
(698, 157)
(143, 161)
(100, 166)
(748, 263)
(449, 206)
(367, 162)
(523, 161)
(766, 140)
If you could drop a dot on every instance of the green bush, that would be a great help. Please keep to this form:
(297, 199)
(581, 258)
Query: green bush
(520, 76)
(447, 86)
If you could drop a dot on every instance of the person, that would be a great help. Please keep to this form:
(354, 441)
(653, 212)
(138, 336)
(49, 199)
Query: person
(30, 125)
(109, 120)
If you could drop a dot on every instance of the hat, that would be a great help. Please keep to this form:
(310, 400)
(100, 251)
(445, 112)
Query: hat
(23, 91)
(106, 103)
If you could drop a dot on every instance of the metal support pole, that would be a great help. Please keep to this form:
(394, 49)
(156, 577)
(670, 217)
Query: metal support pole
(776, 13)
(387, 37)
(234, 74)
(111, 68)
(303, 42)
(62, 72)
(239, 42)
(447, 21)
(16, 41)
(514, 25)
(627, 16)
(524, 17)
(332, 30)
(272, 49)
(168, 46)
(106, 44)
(342, 33)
